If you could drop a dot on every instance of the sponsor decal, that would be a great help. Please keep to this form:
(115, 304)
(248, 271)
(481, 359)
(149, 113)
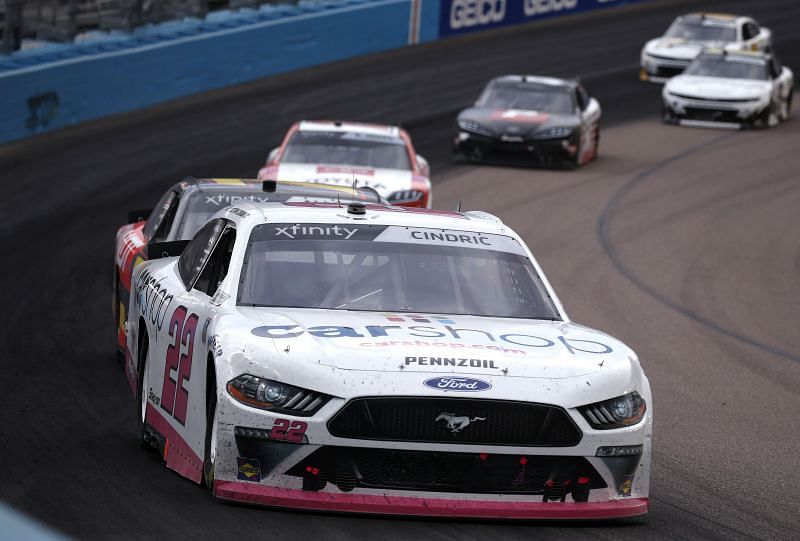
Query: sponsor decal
(459, 16)
(462, 238)
(152, 300)
(626, 485)
(249, 469)
(238, 212)
(457, 423)
(450, 361)
(226, 199)
(457, 384)
(520, 115)
(345, 170)
(317, 232)
(457, 337)
(153, 397)
(419, 318)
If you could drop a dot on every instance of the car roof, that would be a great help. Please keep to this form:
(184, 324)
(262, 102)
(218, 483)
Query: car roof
(253, 214)
(288, 187)
(537, 79)
(754, 57)
(349, 127)
(715, 19)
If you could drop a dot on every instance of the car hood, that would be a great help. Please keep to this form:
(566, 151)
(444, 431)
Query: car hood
(384, 181)
(441, 345)
(679, 49)
(718, 87)
(516, 122)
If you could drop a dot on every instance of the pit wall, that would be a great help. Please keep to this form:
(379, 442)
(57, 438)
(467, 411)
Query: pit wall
(46, 88)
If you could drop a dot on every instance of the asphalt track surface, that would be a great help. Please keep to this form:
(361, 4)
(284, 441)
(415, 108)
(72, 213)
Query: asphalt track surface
(684, 243)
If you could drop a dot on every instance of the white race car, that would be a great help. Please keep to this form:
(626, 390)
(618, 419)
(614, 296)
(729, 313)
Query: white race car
(343, 153)
(688, 35)
(383, 360)
(723, 89)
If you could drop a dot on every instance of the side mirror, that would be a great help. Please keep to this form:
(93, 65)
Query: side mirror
(423, 165)
(273, 154)
(138, 215)
(157, 250)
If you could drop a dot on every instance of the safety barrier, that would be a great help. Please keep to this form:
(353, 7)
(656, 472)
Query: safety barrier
(60, 85)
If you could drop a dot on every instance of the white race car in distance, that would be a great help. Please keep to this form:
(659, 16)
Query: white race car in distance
(346, 153)
(733, 90)
(383, 360)
(688, 35)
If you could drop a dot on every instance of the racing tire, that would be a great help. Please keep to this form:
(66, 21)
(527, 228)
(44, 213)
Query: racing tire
(146, 438)
(209, 454)
(667, 117)
(786, 107)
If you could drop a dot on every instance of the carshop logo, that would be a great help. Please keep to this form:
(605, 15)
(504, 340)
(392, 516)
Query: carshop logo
(456, 337)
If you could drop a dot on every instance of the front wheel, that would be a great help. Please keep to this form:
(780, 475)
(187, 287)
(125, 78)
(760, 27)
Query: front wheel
(212, 426)
(145, 437)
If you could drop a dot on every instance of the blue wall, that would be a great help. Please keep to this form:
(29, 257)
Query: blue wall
(62, 85)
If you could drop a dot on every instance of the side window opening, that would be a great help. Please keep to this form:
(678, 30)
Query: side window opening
(582, 97)
(198, 250)
(216, 268)
(164, 225)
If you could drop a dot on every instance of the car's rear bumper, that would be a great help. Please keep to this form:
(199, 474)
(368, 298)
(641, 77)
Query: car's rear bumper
(424, 506)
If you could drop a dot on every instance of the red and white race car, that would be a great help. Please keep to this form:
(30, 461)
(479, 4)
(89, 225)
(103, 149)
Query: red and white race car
(346, 153)
(185, 207)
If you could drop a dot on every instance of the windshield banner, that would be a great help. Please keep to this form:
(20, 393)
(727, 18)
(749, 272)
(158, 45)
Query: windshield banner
(461, 16)
(382, 233)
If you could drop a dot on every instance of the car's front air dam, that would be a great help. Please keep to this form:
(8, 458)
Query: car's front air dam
(430, 507)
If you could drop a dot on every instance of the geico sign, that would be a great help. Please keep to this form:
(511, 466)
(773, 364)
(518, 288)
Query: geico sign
(537, 7)
(466, 13)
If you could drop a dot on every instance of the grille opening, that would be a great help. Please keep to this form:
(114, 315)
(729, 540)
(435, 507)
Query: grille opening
(552, 477)
(490, 422)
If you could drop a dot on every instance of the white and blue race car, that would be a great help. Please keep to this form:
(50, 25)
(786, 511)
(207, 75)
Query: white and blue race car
(377, 359)
(688, 35)
(730, 90)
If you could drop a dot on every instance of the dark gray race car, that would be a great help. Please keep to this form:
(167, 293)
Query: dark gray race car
(529, 119)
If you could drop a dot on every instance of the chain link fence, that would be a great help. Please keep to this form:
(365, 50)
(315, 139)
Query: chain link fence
(62, 20)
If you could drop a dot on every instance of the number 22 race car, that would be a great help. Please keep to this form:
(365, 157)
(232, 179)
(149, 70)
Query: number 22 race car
(382, 360)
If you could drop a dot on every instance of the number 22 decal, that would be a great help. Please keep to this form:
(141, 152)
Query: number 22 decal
(174, 398)
(292, 431)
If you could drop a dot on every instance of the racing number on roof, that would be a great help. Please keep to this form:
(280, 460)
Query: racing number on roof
(174, 398)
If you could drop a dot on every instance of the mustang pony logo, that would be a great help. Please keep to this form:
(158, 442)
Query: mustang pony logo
(456, 423)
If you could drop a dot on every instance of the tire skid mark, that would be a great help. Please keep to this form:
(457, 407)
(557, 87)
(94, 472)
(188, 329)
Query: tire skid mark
(608, 246)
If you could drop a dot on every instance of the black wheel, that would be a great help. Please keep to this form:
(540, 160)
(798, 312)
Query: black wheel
(209, 456)
(147, 439)
(786, 109)
(667, 117)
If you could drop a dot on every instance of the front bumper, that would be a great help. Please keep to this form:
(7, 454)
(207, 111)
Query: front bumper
(474, 147)
(709, 112)
(319, 471)
(430, 507)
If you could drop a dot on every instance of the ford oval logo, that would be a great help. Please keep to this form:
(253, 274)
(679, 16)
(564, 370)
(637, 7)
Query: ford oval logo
(458, 384)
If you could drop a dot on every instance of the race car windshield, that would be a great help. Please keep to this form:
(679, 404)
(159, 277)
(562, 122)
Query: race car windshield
(698, 31)
(527, 97)
(338, 148)
(315, 271)
(727, 68)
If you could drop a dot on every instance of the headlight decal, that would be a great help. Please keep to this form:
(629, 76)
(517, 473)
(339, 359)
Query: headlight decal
(275, 396)
(618, 412)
